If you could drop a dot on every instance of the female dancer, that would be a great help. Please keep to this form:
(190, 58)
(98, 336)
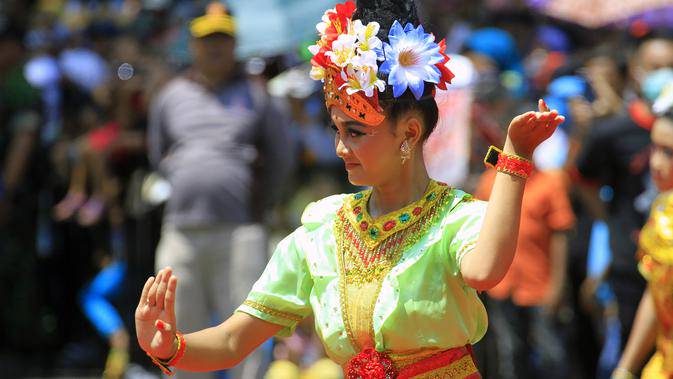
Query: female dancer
(390, 274)
(654, 320)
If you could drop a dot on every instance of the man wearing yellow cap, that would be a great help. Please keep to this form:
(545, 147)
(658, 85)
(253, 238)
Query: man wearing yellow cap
(209, 130)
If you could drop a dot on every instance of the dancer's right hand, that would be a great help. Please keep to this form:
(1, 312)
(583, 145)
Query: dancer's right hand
(155, 315)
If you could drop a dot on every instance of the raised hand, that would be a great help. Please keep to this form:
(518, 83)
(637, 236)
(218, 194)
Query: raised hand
(530, 129)
(155, 315)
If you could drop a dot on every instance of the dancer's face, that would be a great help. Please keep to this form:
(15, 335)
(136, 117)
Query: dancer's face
(371, 154)
(661, 159)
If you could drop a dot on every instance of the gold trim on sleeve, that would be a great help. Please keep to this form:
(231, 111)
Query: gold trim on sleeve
(273, 312)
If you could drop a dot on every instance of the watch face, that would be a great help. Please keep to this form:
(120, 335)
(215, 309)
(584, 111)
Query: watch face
(491, 158)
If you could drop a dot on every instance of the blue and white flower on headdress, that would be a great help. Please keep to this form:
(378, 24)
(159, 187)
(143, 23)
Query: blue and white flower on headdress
(411, 57)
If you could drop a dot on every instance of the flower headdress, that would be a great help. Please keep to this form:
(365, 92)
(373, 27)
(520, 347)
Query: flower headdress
(347, 57)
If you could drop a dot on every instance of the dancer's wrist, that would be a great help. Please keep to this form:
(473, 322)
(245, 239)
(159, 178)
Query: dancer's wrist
(510, 149)
(173, 351)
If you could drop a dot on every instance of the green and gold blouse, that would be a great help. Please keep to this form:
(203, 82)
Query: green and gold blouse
(392, 283)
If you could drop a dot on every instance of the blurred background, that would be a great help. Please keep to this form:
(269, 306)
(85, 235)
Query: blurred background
(84, 178)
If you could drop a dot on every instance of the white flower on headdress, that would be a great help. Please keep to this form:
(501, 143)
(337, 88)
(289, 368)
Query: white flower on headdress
(314, 49)
(366, 59)
(317, 73)
(321, 26)
(343, 50)
(349, 48)
(366, 34)
(364, 79)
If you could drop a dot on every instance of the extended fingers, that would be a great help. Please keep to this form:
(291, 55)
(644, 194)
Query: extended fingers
(146, 291)
(558, 120)
(545, 118)
(169, 304)
(152, 295)
(161, 291)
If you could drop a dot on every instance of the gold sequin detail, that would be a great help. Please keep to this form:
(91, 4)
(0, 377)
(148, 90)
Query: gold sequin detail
(375, 231)
(459, 369)
(272, 312)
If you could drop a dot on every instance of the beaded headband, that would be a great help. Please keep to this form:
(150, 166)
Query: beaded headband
(349, 56)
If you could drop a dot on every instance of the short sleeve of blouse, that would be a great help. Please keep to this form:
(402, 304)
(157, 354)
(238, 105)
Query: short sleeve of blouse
(462, 226)
(281, 295)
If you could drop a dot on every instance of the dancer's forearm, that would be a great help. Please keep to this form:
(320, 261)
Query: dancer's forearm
(488, 263)
(225, 345)
(643, 335)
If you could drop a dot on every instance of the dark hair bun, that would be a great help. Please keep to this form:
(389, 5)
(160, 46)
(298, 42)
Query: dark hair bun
(385, 12)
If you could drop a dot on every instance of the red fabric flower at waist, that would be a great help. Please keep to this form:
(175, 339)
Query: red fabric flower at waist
(370, 364)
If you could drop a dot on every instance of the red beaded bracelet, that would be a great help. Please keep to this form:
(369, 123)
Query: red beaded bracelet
(508, 163)
(165, 365)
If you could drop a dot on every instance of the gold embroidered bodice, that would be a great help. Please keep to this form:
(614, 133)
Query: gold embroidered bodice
(369, 248)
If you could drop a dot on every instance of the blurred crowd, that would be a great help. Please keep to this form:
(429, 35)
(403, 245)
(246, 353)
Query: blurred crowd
(133, 137)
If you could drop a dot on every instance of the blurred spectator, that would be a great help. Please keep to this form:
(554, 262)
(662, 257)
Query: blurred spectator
(223, 146)
(572, 95)
(524, 306)
(20, 120)
(106, 153)
(497, 47)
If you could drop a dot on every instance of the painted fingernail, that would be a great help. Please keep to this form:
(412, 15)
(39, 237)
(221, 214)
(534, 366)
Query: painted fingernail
(161, 325)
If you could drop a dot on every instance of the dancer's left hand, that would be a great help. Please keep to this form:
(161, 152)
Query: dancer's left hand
(527, 131)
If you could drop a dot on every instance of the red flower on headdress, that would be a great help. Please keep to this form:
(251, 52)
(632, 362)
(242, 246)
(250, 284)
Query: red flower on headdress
(447, 75)
(338, 22)
(346, 9)
(370, 364)
(320, 59)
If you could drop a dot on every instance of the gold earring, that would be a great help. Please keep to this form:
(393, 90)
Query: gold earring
(405, 150)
